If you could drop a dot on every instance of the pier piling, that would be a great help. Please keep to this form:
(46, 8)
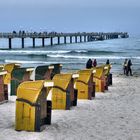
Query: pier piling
(65, 39)
(10, 43)
(51, 39)
(75, 39)
(33, 42)
(43, 42)
(58, 40)
(84, 38)
(80, 38)
(70, 39)
(22, 42)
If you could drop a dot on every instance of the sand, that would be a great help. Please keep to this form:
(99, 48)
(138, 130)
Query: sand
(113, 115)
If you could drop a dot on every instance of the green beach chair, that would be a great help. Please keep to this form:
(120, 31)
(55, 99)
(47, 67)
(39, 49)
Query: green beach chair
(18, 76)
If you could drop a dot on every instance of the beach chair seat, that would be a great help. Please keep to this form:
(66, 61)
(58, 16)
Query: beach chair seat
(31, 106)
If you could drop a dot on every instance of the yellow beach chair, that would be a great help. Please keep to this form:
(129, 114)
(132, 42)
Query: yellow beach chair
(9, 68)
(84, 84)
(31, 106)
(62, 91)
(99, 79)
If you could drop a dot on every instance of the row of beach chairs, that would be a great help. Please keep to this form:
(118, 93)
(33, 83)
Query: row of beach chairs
(41, 89)
(13, 74)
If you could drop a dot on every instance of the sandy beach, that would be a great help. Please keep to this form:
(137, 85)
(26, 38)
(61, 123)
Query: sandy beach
(113, 115)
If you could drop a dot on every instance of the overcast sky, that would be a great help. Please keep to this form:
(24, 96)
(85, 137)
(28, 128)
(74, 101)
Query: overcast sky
(70, 15)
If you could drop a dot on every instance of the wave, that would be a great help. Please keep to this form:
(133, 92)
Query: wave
(66, 54)
(24, 61)
(38, 62)
(32, 52)
(44, 52)
(91, 52)
(87, 57)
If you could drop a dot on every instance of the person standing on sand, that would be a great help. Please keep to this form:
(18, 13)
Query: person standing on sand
(125, 66)
(107, 62)
(129, 70)
(94, 63)
(89, 64)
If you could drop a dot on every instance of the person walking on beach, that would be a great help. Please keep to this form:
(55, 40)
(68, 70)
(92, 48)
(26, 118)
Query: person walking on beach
(89, 64)
(94, 63)
(107, 62)
(129, 70)
(125, 66)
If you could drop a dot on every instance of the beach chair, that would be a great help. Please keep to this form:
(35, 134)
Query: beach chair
(3, 94)
(108, 74)
(7, 78)
(46, 72)
(19, 75)
(85, 85)
(56, 70)
(1, 67)
(9, 68)
(99, 79)
(62, 92)
(31, 106)
(42, 72)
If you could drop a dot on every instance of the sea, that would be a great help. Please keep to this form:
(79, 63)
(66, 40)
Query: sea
(73, 56)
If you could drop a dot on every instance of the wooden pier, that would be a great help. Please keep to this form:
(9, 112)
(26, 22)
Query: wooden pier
(78, 37)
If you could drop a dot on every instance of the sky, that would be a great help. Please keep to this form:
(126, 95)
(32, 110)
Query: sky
(70, 15)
